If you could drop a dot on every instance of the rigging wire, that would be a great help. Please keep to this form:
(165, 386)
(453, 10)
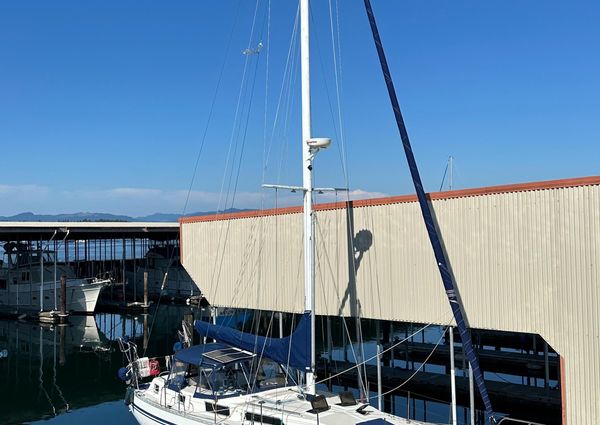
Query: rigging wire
(198, 156)
(251, 242)
(444, 176)
(343, 156)
(266, 86)
(285, 86)
(222, 239)
(237, 109)
(243, 140)
(391, 347)
(420, 367)
(345, 325)
(343, 160)
(212, 105)
(328, 96)
(338, 83)
(290, 104)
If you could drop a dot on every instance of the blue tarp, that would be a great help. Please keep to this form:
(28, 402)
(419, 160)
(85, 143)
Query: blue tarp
(293, 350)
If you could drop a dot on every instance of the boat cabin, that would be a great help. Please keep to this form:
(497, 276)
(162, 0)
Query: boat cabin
(218, 371)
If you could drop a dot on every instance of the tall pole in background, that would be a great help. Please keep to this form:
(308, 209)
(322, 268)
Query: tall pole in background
(471, 395)
(451, 172)
(452, 374)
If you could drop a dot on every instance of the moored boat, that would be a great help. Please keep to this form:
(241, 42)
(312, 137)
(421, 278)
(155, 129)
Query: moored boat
(30, 281)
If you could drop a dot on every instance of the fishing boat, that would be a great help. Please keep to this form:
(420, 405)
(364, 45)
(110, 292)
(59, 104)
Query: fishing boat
(243, 378)
(30, 281)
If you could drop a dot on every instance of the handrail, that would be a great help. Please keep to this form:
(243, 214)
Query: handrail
(519, 421)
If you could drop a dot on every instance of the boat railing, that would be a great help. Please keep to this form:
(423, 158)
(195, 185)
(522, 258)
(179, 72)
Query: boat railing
(508, 420)
(97, 279)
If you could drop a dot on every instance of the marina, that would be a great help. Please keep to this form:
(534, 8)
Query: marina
(522, 371)
(289, 284)
(45, 360)
(101, 263)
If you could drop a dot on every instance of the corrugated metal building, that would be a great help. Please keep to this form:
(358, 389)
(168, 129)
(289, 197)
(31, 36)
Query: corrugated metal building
(526, 258)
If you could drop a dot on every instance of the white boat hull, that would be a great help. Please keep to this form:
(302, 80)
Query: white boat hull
(150, 408)
(82, 296)
(148, 414)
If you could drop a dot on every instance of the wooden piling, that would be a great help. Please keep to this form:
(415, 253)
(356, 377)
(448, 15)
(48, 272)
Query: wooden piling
(146, 288)
(63, 295)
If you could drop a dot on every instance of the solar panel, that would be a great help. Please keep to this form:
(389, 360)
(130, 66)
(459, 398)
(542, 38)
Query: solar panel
(228, 355)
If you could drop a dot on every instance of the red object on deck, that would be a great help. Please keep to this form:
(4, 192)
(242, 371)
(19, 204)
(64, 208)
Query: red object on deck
(154, 367)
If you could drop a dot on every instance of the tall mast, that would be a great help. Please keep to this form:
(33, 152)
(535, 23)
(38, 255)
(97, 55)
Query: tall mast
(307, 157)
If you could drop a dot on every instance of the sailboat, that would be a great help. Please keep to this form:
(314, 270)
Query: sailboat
(243, 378)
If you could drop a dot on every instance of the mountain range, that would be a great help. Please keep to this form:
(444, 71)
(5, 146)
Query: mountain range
(92, 216)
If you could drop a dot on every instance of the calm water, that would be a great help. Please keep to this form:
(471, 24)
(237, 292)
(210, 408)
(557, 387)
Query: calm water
(68, 374)
(50, 370)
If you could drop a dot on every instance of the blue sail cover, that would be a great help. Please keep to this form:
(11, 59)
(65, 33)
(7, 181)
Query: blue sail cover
(293, 350)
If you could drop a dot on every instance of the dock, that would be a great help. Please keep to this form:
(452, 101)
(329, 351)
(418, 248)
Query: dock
(112, 253)
(518, 400)
(507, 362)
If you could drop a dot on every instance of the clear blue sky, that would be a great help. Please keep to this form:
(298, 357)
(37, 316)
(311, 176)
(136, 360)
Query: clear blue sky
(103, 105)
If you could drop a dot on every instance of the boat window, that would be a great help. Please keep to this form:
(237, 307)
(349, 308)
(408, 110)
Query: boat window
(2, 283)
(270, 374)
(202, 379)
(258, 418)
(25, 276)
(177, 376)
(224, 379)
(219, 409)
(231, 377)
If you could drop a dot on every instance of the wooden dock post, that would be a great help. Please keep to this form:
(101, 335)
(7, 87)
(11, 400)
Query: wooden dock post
(63, 295)
(146, 288)
(123, 276)
(146, 333)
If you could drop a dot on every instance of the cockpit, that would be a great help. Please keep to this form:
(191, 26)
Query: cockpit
(219, 370)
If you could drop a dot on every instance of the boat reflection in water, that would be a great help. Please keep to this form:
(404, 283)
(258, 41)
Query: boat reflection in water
(38, 382)
(49, 370)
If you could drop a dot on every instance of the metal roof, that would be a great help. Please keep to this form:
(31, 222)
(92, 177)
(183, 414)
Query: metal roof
(36, 230)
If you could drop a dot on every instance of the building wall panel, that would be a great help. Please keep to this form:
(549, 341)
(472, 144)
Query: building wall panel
(524, 260)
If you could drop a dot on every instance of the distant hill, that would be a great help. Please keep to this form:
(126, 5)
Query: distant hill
(91, 216)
